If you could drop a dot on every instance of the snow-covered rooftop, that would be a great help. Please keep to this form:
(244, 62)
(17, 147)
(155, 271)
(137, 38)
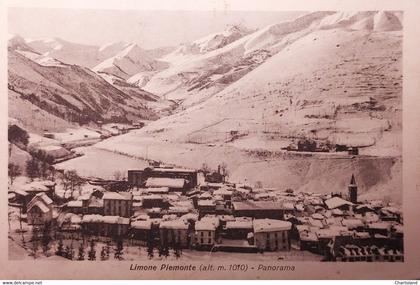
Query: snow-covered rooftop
(158, 190)
(336, 202)
(270, 225)
(189, 216)
(105, 219)
(222, 192)
(75, 204)
(142, 225)
(116, 196)
(174, 224)
(205, 225)
(165, 182)
(41, 206)
(174, 170)
(206, 203)
(35, 186)
(257, 205)
(380, 225)
(352, 223)
(239, 224)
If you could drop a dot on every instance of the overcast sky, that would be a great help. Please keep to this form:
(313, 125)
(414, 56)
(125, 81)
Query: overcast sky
(149, 29)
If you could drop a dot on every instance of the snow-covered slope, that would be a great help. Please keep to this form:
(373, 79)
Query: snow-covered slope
(331, 82)
(129, 61)
(71, 92)
(206, 44)
(198, 73)
(72, 53)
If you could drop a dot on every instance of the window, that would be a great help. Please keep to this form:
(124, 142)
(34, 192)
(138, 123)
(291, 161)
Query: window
(209, 234)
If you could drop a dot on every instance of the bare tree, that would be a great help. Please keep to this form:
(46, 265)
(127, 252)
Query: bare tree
(71, 180)
(224, 171)
(205, 169)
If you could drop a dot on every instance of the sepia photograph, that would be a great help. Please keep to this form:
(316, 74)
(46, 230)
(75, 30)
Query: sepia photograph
(162, 138)
(280, 141)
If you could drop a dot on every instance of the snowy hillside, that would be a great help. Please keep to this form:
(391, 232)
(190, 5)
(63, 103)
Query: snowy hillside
(129, 61)
(71, 53)
(334, 83)
(71, 92)
(332, 77)
(197, 74)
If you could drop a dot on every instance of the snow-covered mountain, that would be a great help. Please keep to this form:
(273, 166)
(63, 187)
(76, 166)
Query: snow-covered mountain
(70, 53)
(71, 92)
(129, 61)
(334, 77)
(196, 73)
(206, 44)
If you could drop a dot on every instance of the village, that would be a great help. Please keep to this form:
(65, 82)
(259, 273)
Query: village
(167, 211)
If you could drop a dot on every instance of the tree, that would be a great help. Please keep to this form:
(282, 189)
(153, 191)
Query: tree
(104, 255)
(224, 171)
(166, 251)
(32, 168)
(14, 171)
(119, 250)
(69, 252)
(44, 169)
(205, 169)
(70, 179)
(60, 248)
(92, 251)
(18, 136)
(160, 250)
(46, 238)
(81, 252)
(34, 242)
(108, 249)
(150, 249)
(177, 250)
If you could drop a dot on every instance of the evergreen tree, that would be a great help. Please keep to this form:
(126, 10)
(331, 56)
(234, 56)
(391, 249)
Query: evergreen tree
(46, 238)
(69, 252)
(150, 250)
(119, 250)
(103, 253)
(177, 250)
(108, 249)
(14, 171)
(160, 250)
(32, 168)
(92, 251)
(81, 252)
(166, 251)
(60, 248)
(34, 242)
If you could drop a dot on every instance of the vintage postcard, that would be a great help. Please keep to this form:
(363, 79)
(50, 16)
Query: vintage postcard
(218, 139)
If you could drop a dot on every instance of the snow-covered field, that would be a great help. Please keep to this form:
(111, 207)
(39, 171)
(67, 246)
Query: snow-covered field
(323, 173)
(101, 163)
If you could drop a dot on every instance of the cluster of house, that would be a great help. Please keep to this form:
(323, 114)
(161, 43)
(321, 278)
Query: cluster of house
(174, 207)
